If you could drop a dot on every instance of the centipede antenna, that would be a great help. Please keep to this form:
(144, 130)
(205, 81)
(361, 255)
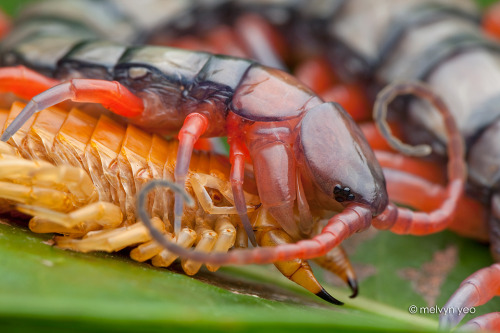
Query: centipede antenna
(145, 218)
(241, 208)
(380, 116)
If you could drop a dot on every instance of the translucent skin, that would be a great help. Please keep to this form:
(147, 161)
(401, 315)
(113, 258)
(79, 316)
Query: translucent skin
(290, 134)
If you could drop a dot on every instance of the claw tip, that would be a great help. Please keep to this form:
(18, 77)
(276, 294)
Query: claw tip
(323, 294)
(353, 284)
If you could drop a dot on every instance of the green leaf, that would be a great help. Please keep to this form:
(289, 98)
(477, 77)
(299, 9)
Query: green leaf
(42, 287)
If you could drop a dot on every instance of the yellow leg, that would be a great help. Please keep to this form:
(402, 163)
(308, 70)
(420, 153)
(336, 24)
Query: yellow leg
(7, 149)
(99, 215)
(148, 250)
(206, 242)
(269, 233)
(227, 236)
(185, 239)
(13, 169)
(30, 195)
(75, 179)
(110, 240)
(337, 262)
(44, 174)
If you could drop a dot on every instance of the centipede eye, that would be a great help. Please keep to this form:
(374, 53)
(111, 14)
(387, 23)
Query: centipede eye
(337, 189)
(342, 194)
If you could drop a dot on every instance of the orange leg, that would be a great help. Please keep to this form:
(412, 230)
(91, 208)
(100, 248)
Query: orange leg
(24, 82)
(476, 290)
(110, 94)
(405, 221)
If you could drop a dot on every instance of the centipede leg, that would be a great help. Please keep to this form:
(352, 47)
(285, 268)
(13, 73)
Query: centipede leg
(194, 126)
(261, 39)
(489, 322)
(24, 82)
(238, 153)
(110, 94)
(95, 216)
(470, 215)
(476, 290)
(494, 227)
(428, 170)
(337, 262)
(270, 234)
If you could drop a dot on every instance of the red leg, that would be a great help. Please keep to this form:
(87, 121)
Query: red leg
(374, 138)
(110, 94)
(316, 73)
(224, 40)
(491, 21)
(204, 144)
(24, 82)
(471, 216)
(476, 290)
(194, 126)
(238, 153)
(428, 170)
(405, 221)
(263, 41)
(489, 322)
(352, 97)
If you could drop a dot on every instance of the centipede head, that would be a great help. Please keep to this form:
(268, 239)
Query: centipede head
(334, 154)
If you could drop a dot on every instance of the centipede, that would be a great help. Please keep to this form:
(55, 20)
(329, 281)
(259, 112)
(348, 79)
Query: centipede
(306, 154)
(87, 168)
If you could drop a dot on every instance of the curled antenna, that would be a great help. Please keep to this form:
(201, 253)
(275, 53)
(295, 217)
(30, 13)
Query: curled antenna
(384, 98)
(155, 233)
